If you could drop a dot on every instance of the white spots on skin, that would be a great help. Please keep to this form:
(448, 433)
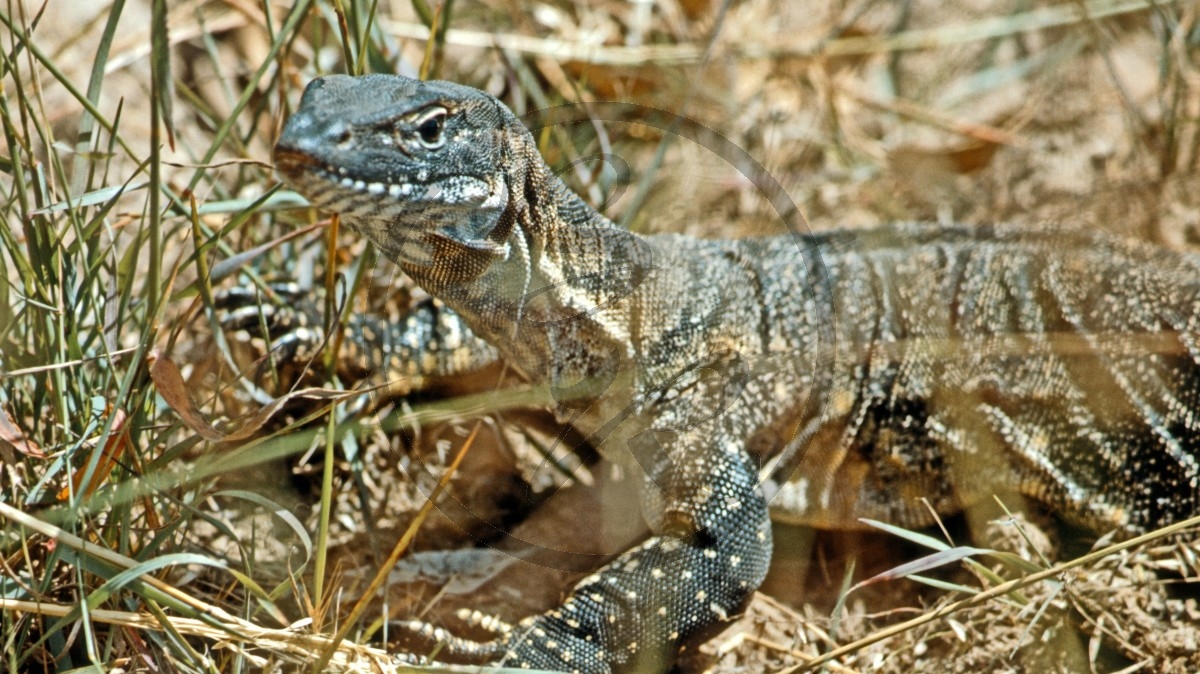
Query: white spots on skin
(497, 198)
(782, 390)
(428, 361)
(799, 492)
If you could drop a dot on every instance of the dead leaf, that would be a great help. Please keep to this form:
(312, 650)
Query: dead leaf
(966, 158)
(170, 385)
(617, 82)
(118, 441)
(247, 426)
(168, 381)
(10, 433)
(694, 9)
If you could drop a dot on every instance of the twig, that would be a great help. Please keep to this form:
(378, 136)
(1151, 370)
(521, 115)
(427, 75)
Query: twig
(988, 595)
(687, 53)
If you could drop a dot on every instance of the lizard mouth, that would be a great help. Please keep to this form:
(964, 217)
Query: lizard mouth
(328, 186)
(294, 164)
(381, 195)
(307, 175)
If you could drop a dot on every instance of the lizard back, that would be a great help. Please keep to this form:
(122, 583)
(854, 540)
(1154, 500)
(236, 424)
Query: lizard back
(1061, 365)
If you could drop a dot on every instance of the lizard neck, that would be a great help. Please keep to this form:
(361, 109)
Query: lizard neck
(551, 286)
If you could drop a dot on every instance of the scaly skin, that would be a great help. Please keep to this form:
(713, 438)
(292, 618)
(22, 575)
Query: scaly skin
(855, 372)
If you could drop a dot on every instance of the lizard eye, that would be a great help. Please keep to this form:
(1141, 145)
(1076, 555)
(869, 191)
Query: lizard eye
(429, 128)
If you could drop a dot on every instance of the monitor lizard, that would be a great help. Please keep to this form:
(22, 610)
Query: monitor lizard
(845, 375)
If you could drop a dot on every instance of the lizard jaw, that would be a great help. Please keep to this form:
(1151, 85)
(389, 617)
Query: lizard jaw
(458, 209)
(336, 189)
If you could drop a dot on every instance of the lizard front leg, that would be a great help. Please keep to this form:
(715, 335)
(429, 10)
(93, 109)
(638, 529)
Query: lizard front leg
(429, 342)
(710, 549)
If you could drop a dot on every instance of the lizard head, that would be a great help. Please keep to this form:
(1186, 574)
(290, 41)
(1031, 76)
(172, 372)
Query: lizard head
(450, 185)
(413, 165)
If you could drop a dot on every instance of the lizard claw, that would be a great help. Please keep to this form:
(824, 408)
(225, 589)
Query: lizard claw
(284, 318)
(281, 309)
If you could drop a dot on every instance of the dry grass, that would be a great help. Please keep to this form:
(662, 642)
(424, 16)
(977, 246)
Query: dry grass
(172, 520)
